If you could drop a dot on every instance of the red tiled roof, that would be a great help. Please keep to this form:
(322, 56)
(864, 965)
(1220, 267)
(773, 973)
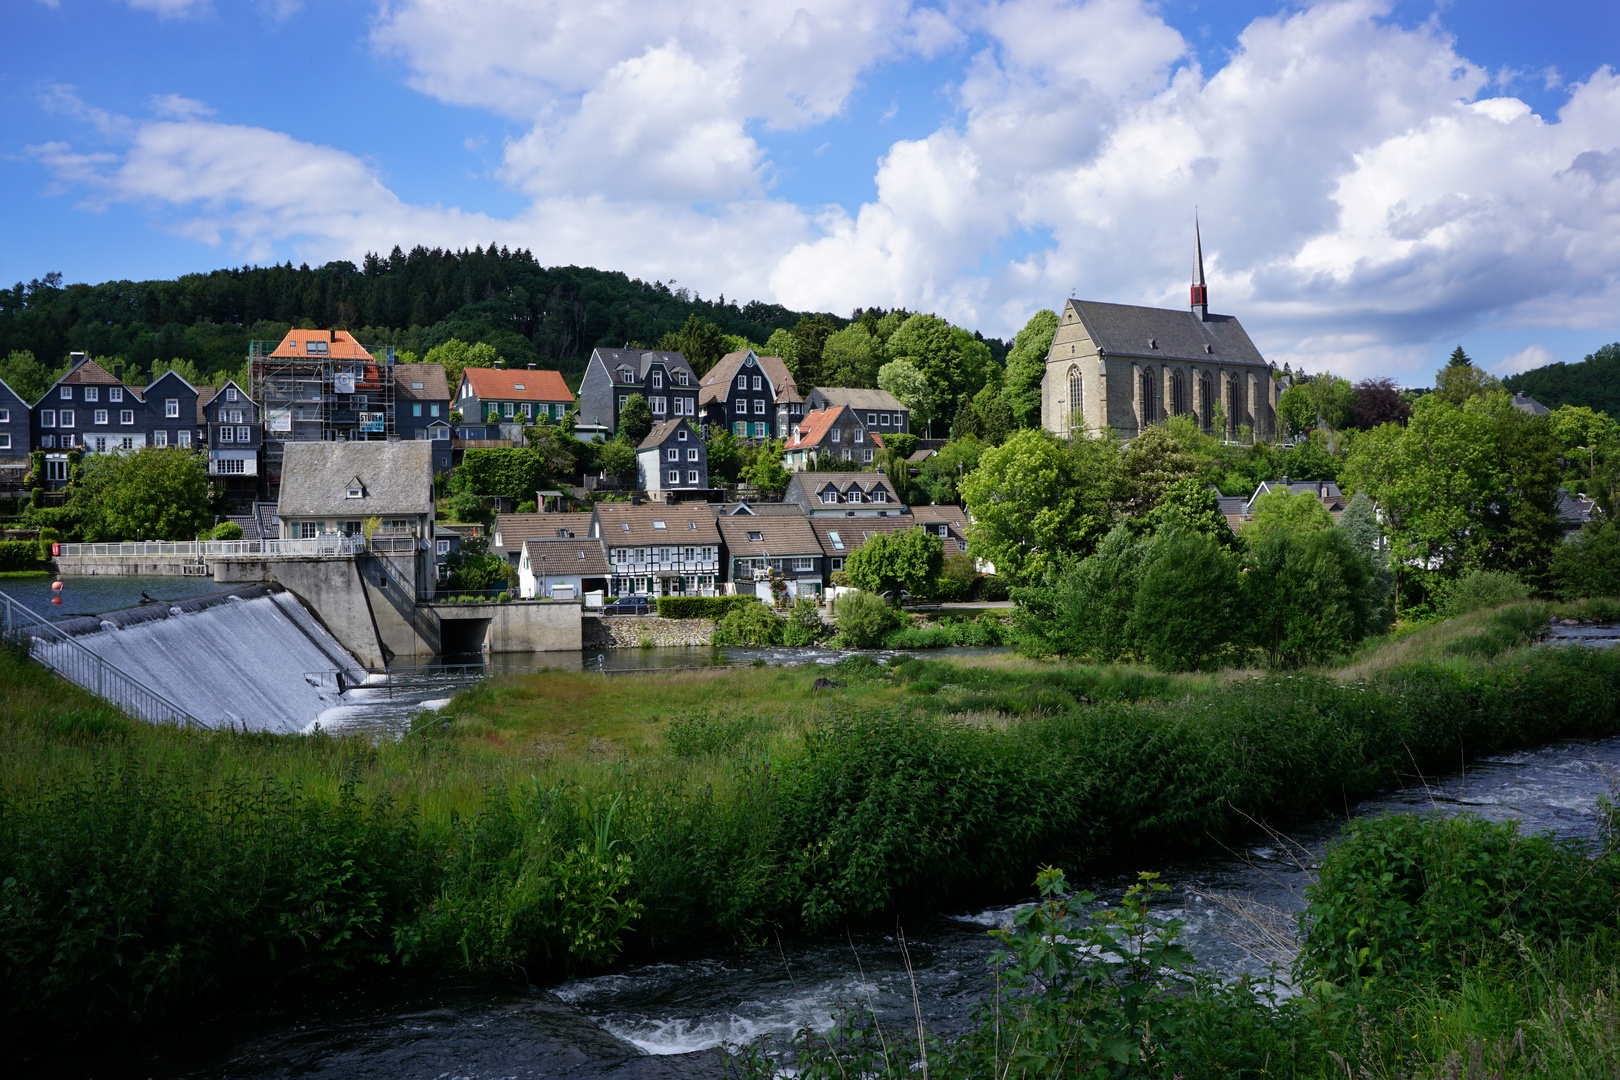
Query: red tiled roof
(89, 373)
(340, 345)
(814, 428)
(505, 383)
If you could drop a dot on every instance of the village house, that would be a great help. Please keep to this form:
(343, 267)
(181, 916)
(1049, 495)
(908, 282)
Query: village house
(880, 410)
(760, 538)
(497, 403)
(749, 395)
(334, 488)
(672, 458)
(664, 378)
(422, 408)
(231, 420)
(843, 494)
(1121, 367)
(16, 437)
(656, 550)
(838, 432)
(562, 568)
(509, 531)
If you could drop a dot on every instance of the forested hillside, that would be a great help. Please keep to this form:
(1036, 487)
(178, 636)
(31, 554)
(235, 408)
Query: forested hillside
(1594, 382)
(531, 314)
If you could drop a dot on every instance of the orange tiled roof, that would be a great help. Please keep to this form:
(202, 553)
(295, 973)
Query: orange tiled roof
(814, 428)
(340, 345)
(89, 373)
(517, 385)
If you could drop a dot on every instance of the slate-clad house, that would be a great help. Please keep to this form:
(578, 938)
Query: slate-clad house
(762, 537)
(838, 432)
(880, 410)
(656, 550)
(235, 437)
(422, 408)
(843, 494)
(665, 379)
(672, 458)
(744, 392)
(171, 414)
(332, 487)
(494, 396)
(16, 437)
(88, 409)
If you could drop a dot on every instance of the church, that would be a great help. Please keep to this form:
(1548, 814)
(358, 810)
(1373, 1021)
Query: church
(1120, 367)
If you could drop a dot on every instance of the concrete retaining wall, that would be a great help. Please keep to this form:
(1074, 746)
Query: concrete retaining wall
(521, 625)
(128, 566)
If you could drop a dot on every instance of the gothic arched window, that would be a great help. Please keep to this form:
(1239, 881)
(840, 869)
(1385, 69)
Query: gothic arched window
(1148, 398)
(1178, 393)
(1206, 403)
(1235, 405)
(1077, 400)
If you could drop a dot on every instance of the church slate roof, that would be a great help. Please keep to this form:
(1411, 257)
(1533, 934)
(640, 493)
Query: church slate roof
(1165, 334)
(396, 478)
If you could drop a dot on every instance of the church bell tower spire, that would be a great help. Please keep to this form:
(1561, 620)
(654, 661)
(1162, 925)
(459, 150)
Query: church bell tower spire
(1200, 291)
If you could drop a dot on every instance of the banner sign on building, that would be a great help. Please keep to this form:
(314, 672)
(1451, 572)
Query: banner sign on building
(343, 383)
(372, 422)
(278, 419)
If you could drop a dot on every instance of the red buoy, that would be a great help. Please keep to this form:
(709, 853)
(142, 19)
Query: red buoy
(56, 591)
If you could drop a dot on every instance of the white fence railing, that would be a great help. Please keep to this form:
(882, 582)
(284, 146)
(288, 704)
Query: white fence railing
(62, 653)
(331, 546)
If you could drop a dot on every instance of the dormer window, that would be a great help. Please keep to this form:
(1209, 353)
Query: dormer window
(681, 435)
(624, 375)
(354, 493)
(854, 495)
(680, 378)
(657, 380)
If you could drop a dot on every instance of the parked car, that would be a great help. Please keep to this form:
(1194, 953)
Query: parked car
(629, 605)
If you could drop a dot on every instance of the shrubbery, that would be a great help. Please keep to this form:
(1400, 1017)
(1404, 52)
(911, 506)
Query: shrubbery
(226, 530)
(1482, 589)
(702, 607)
(19, 555)
(1589, 563)
(864, 619)
(749, 624)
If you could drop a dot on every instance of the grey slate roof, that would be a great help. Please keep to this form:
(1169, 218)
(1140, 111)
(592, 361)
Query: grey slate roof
(1526, 403)
(1165, 333)
(857, 398)
(641, 359)
(397, 478)
(663, 432)
(805, 487)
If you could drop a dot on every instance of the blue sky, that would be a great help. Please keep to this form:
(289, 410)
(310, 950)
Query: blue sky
(1377, 181)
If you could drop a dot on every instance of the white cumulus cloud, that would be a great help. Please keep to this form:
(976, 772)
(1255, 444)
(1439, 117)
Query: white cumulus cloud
(1526, 359)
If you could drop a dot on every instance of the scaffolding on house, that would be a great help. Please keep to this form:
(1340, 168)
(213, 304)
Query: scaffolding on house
(344, 393)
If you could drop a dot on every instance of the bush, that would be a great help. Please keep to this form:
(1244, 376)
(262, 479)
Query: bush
(754, 624)
(914, 637)
(1311, 596)
(993, 588)
(19, 555)
(226, 530)
(1409, 895)
(804, 625)
(1589, 564)
(864, 620)
(702, 607)
(1482, 589)
(1189, 606)
(47, 537)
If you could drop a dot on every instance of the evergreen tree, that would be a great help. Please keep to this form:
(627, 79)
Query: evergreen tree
(1459, 358)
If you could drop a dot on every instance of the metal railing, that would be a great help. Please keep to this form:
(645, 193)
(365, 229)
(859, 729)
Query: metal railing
(63, 654)
(330, 545)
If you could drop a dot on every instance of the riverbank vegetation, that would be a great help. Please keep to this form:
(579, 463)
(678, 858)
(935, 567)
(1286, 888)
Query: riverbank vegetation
(549, 823)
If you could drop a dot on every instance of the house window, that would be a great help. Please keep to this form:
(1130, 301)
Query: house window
(756, 383)
(433, 410)
(126, 417)
(759, 406)
(762, 431)
(65, 418)
(660, 406)
(101, 444)
(673, 454)
(740, 407)
(353, 493)
(836, 435)
(838, 545)
(115, 394)
(944, 530)
(884, 420)
(244, 435)
(691, 476)
(66, 393)
(740, 429)
(804, 564)
(674, 476)
(867, 456)
(756, 537)
(838, 564)
(622, 399)
(829, 497)
(509, 409)
(879, 495)
(5, 416)
(860, 436)
(56, 469)
(230, 393)
(307, 530)
(680, 378)
(160, 438)
(658, 380)
(171, 407)
(444, 547)
(528, 410)
(47, 418)
(854, 495)
(231, 465)
(692, 454)
(91, 394)
(416, 409)
(67, 441)
(871, 418)
(128, 443)
(185, 437)
(742, 384)
(227, 434)
(101, 416)
(681, 435)
(5, 440)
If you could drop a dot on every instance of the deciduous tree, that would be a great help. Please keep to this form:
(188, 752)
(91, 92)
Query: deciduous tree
(1026, 368)
(159, 493)
(635, 420)
(1038, 502)
(889, 562)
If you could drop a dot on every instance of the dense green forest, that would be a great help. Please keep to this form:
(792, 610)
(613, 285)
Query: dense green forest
(1594, 382)
(553, 316)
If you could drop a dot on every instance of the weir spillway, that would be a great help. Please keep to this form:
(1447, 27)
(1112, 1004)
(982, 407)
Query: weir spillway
(252, 658)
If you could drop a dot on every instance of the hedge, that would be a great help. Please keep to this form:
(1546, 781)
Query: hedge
(701, 607)
(19, 555)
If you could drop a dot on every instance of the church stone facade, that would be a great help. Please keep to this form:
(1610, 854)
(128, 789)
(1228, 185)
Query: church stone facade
(1120, 367)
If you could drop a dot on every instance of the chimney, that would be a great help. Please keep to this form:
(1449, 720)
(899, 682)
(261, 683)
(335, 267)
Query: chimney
(635, 500)
(531, 367)
(499, 363)
(75, 359)
(118, 371)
